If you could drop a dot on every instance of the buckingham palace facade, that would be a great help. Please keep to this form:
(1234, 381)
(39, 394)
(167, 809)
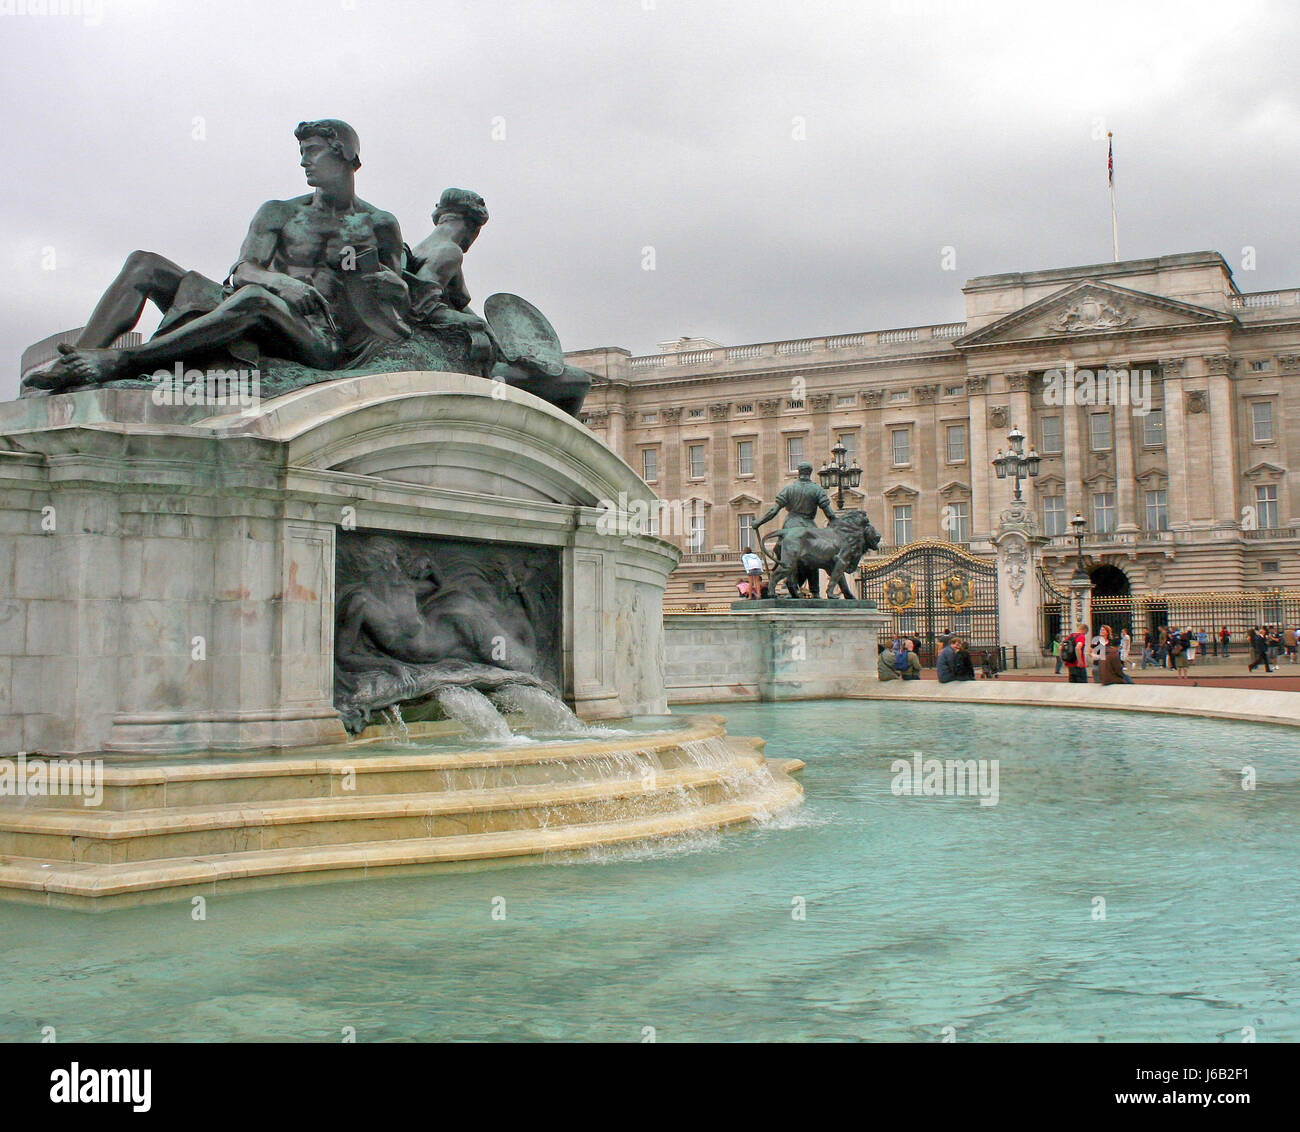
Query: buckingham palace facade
(1164, 402)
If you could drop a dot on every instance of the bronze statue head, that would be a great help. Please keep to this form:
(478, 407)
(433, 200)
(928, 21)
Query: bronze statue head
(463, 204)
(339, 136)
(805, 470)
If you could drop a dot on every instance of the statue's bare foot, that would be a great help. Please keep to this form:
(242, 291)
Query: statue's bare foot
(85, 366)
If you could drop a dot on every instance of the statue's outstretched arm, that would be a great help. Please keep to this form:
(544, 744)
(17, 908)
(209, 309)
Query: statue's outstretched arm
(767, 516)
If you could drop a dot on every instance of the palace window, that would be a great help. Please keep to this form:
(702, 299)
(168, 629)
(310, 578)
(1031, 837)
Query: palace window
(899, 395)
(1262, 415)
(1050, 428)
(1157, 510)
(744, 457)
(1266, 505)
(902, 524)
(698, 463)
(1099, 432)
(697, 587)
(953, 390)
(1270, 566)
(1262, 365)
(850, 442)
(650, 464)
(650, 418)
(746, 540)
(794, 452)
(696, 536)
(1054, 515)
(958, 521)
(1103, 512)
(846, 400)
(1153, 429)
(902, 441)
(956, 437)
(695, 414)
(745, 407)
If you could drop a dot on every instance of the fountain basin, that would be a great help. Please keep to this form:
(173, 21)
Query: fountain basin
(190, 826)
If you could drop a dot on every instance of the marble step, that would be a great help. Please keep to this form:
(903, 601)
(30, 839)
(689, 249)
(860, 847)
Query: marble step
(108, 837)
(356, 771)
(85, 884)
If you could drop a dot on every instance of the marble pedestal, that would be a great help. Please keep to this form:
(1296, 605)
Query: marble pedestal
(772, 650)
(167, 571)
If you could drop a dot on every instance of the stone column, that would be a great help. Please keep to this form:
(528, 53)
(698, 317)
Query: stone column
(1072, 461)
(1080, 602)
(1125, 484)
(1223, 430)
(1019, 613)
(980, 470)
(1176, 444)
(721, 532)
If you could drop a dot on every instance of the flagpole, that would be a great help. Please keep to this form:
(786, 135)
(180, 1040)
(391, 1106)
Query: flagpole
(1110, 175)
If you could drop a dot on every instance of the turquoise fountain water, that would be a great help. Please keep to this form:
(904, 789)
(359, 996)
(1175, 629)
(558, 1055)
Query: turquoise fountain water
(919, 913)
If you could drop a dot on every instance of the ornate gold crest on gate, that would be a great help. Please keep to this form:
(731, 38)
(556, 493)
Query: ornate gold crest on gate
(901, 592)
(957, 590)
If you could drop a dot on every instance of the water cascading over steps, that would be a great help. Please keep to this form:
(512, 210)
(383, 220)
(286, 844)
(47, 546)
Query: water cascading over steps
(165, 832)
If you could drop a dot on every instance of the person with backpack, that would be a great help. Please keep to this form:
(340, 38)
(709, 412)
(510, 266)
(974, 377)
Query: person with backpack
(885, 666)
(1074, 652)
(1179, 644)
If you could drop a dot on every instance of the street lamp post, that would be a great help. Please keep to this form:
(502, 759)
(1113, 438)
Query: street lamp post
(1079, 524)
(839, 475)
(1017, 462)
(1080, 582)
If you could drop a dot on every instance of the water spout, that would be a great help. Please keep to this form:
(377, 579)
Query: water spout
(393, 713)
(475, 712)
(540, 710)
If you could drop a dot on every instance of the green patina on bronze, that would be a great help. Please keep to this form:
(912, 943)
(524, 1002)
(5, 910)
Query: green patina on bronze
(323, 288)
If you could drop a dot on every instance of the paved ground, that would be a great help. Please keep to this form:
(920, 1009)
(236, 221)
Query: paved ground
(1211, 673)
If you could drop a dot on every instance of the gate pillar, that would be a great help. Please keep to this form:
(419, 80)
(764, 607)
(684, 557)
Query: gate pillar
(1016, 545)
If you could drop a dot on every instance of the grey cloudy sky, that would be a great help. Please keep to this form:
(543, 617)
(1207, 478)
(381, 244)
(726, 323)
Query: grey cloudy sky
(797, 167)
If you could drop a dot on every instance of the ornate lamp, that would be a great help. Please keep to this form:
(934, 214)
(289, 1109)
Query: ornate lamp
(839, 475)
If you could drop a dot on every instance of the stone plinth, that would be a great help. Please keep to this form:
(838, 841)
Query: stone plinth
(167, 572)
(772, 650)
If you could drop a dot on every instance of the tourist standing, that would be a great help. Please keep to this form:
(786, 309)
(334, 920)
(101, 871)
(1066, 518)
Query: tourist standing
(1075, 650)
(1099, 643)
(1056, 651)
(1203, 644)
(1178, 644)
(1125, 646)
(753, 565)
(1148, 648)
(1225, 638)
(946, 663)
(1289, 642)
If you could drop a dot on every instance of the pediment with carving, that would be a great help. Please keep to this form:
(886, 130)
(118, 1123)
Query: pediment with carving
(1093, 309)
